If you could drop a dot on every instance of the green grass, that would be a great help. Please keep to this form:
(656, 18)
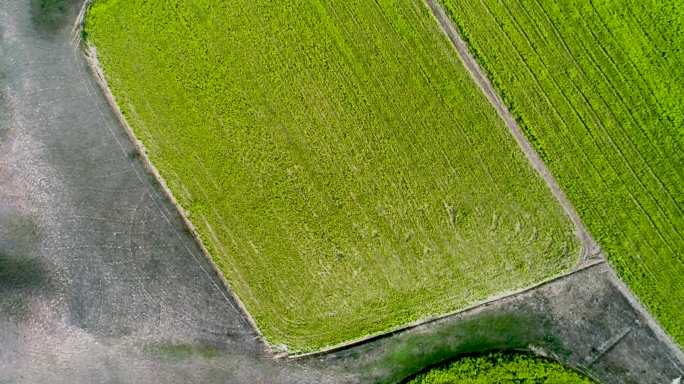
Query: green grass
(598, 87)
(341, 167)
(502, 368)
(409, 354)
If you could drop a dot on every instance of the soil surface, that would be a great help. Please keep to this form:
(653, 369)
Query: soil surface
(100, 281)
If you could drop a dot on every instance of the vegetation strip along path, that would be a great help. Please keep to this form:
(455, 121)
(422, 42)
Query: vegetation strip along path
(501, 368)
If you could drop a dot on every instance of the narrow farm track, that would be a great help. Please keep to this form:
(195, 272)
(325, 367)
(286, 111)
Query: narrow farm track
(590, 247)
(108, 286)
(594, 86)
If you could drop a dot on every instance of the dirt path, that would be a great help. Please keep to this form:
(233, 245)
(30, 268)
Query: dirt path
(591, 248)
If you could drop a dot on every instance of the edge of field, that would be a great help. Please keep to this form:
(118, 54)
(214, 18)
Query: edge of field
(581, 266)
(585, 256)
(90, 53)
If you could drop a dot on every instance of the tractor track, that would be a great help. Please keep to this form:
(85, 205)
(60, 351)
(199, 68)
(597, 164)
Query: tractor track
(591, 248)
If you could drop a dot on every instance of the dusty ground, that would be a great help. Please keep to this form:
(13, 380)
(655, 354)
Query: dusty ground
(101, 283)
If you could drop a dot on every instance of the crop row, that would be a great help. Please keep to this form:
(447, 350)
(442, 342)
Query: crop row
(597, 86)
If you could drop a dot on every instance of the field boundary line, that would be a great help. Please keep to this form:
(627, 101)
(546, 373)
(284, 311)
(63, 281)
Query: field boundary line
(506, 295)
(592, 251)
(77, 27)
(90, 54)
(607, 346)
(651, 322)
(589, 245)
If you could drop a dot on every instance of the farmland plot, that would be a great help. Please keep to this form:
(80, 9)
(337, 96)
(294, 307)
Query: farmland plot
(598, 87)
(345, 174)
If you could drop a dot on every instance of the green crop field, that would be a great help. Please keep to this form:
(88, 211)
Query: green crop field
(598, 87)
(500, 368)
(344, 172)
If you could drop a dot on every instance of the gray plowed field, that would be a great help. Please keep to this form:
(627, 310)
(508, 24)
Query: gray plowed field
(101, 283)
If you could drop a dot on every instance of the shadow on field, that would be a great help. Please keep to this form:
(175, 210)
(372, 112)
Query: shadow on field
(50, 16)
(21, 278)
(18, 273)
(22, 274)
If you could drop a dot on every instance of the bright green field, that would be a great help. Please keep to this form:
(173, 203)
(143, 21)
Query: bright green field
(599, 86)
(342, 169)
(499, 368)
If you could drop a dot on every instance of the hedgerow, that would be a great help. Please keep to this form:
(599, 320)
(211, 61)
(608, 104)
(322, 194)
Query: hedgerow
(502, 368)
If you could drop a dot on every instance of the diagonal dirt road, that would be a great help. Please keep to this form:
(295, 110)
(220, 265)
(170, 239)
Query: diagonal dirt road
(590, 246)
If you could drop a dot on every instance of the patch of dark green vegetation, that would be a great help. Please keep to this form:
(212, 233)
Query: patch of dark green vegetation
(133, 154)
(49, 15)
(520, 368)
(18, 234)
(19, 277)
(488, 332)
(20, 273)
(182, 351)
